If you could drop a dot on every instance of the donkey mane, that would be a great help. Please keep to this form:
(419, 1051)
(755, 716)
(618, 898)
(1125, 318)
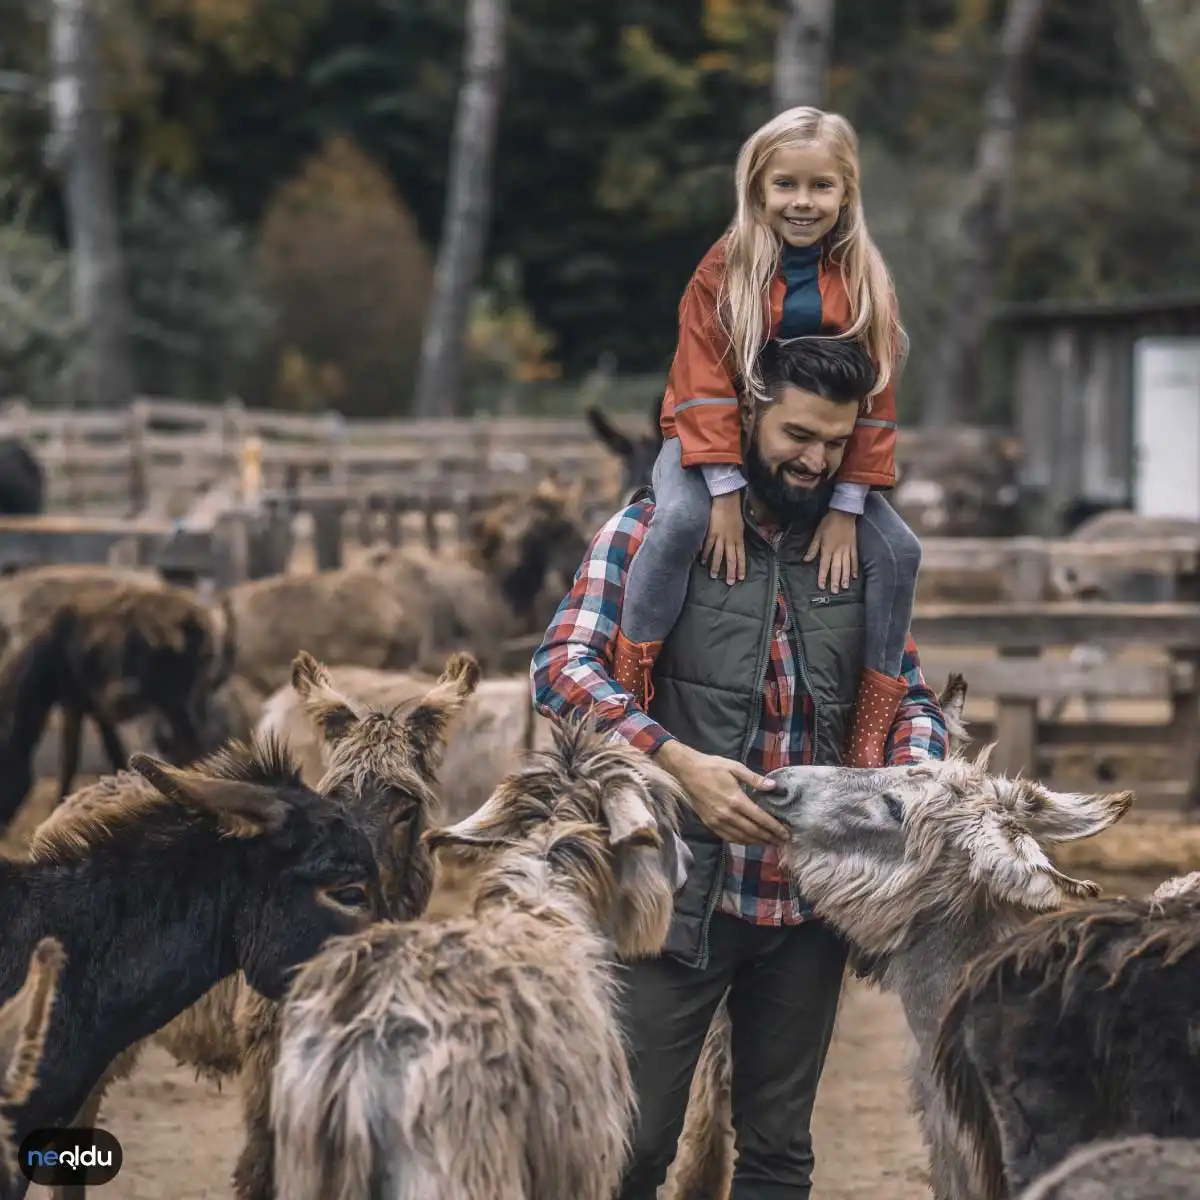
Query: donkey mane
(120, 816)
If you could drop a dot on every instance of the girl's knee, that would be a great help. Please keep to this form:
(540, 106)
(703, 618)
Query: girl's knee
(908, 548)
(682, 520)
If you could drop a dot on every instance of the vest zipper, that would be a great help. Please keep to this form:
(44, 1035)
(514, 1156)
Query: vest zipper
(805, 678)
(760, 674)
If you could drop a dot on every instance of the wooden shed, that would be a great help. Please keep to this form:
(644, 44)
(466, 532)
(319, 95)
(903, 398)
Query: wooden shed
(1106, 405)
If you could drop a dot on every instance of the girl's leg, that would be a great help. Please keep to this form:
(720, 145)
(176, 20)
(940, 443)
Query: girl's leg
(890, 557)
(656, 583)
(890, 554)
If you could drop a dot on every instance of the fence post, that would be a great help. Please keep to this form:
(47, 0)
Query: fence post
(251, 469)
(335, 434)
(1017, 716)
(139, 457)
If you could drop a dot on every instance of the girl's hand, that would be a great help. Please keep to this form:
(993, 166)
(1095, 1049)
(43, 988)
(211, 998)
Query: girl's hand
(725, 544)
(837, 540)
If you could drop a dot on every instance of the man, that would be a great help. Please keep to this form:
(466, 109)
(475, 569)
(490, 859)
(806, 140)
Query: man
(754, 677)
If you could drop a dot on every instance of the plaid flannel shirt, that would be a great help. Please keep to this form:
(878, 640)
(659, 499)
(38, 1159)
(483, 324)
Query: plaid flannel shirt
(570, 673)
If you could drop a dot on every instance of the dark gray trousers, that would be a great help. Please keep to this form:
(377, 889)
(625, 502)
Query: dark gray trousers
(784, 985)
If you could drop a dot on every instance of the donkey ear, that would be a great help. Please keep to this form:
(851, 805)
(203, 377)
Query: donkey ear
(1063, 816)
(428, 722)
(488, 826)
(326, 707)
(24, 1020)
(608, 434)
(1008, 860)
(241, 809)
(630, 821)
(952, 700)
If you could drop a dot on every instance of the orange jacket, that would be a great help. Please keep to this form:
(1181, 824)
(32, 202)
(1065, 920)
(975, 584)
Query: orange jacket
(700, 405)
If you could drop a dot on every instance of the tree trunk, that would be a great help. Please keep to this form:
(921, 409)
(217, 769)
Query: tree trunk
(468, 207)
(802, 54)
(1165, 103)
(957, 387)
(100, 309)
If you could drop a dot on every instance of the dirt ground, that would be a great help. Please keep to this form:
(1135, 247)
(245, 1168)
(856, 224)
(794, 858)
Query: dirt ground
(181, 1136)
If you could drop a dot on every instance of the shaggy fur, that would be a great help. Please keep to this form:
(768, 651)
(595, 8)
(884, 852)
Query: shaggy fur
(1080, 1026)
(382, 767)
(24, 1020)
(170, 882)
(110, 655)
(479, 1058)
(497, 725)
(704, 1159)
(1138, 1168)
(407, 609)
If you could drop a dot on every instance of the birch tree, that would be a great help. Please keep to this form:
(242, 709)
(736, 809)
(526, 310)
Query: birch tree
(956, 386)
(468, 209)
(99, 303)
(802, 54)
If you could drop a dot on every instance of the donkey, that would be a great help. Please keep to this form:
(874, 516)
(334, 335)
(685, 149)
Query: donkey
(480, 1056)
(186, 877)
(24, 1020)
(704, 1158)
(22, 480)
(381, 765)
(922, 869)
(111, 657)
(1137, 1168)
(637, 453)
(1080, 1026)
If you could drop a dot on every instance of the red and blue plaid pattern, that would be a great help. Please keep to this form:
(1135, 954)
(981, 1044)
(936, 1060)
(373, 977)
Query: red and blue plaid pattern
(570, 673)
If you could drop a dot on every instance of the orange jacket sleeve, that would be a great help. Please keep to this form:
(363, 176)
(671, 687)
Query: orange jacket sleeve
(701, 402)
(870, 456)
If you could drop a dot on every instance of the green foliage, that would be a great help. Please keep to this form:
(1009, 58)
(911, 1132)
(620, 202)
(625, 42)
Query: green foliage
(614, 172)
(199, 314)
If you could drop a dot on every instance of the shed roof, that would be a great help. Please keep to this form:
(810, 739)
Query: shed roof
(1043, 312)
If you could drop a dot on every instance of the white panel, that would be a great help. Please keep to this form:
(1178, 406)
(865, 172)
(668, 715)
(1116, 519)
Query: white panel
(1166, 405)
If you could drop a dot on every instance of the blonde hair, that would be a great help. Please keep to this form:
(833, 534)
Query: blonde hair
(752, 251)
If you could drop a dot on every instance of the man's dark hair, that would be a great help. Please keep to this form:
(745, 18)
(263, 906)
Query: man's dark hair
(837, 368)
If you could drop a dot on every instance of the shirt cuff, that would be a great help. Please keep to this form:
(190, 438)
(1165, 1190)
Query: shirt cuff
(849, 497)
(722, 478)
(641, 732)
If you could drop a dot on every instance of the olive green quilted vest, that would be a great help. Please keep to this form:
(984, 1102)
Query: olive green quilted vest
(709, 679)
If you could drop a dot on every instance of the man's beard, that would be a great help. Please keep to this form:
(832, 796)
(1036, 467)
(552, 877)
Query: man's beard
(792, 505)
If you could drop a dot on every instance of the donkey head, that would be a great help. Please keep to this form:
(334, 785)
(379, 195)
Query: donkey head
(603, 817)
(879, 852)
(383, 766)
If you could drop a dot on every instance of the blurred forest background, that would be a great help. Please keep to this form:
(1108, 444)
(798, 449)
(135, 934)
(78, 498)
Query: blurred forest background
(211, 197)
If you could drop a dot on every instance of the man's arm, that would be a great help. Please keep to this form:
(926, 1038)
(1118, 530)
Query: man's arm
(919, 730)
(571, 670)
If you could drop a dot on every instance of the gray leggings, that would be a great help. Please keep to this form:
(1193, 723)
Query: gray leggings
(889, 556)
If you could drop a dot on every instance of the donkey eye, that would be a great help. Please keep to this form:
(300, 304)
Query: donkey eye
(353, 895)
(894, 807)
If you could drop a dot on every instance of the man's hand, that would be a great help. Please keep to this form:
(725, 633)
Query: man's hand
(837, 540)
(713, 785)
(725, 544)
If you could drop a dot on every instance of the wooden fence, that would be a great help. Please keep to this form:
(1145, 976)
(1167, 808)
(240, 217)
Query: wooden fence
(158, 456)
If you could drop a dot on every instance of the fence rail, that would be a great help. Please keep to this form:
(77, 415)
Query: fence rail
(157, 455)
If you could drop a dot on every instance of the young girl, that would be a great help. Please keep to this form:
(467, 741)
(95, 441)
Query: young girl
(799, 252)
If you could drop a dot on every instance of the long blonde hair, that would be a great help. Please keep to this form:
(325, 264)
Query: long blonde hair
(752, 251)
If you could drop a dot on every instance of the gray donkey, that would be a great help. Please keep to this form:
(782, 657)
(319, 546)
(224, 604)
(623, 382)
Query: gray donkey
(922, 868)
